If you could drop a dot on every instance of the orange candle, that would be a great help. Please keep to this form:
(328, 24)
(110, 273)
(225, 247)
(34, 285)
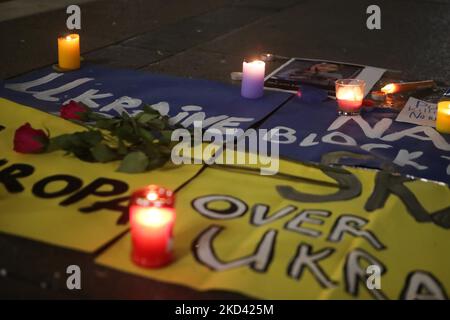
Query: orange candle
(152, 218)
(69, 52)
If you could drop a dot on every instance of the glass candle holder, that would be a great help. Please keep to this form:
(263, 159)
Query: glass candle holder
(152, 218)
(443, 114)
(349, 96)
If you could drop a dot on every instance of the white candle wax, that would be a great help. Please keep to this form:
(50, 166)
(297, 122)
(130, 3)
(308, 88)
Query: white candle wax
(253, 79)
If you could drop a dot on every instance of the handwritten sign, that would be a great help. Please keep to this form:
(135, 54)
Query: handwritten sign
(418, 112)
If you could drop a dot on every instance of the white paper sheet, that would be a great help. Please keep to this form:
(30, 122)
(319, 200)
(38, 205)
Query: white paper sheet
(418, 112)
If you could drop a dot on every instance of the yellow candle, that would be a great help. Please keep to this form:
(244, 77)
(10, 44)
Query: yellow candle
(443, 116)
(69, 52)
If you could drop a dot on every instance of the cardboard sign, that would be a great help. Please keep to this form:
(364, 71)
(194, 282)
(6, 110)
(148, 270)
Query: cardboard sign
(303, 237)
(58, 199)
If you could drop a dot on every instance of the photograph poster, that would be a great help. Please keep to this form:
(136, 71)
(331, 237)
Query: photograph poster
(321, 74)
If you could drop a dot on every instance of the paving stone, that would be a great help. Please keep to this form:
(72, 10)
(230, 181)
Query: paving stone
(278, 4)
(31, 267)
(124, 57)
(194, 31)
(30, 42)
(409, 39)
(200, 64)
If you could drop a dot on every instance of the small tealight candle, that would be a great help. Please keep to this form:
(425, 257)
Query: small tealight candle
(69, 52)
(152, 218)
(349, 95)
(253, 79)
(443, 114)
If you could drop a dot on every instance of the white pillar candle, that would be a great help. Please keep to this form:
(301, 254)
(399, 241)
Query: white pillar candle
(253, 79)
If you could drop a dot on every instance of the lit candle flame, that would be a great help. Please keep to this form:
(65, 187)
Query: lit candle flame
(389, 88)
(350, 94)
(257, 62)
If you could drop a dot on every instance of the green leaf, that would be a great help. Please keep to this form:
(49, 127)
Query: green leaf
(121, 148)
(78, 143)
(81, 139)
(103, 153)
(107, 124)
(82, 153)
(126, 132)
(165, 150)
(166, 136)
(125, 116)
(143, 141)
(62, 142)
(134, 125)
(94, 116)
(77, 139)
(145, 117)
(134, 162)
(156, 163)
(157, 124)
(151, 150)
(92, 137)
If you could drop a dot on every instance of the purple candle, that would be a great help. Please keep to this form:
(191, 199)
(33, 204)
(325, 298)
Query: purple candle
(253, 79)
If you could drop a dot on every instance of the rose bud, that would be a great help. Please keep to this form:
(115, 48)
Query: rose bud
(74, 111)
(29, 140)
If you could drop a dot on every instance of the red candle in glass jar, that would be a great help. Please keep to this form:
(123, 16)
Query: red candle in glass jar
(349, 105)
(152, 218)
(349, 96)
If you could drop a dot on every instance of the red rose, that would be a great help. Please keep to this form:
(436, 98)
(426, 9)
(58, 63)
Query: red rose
(29, 140)
(74, 111)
